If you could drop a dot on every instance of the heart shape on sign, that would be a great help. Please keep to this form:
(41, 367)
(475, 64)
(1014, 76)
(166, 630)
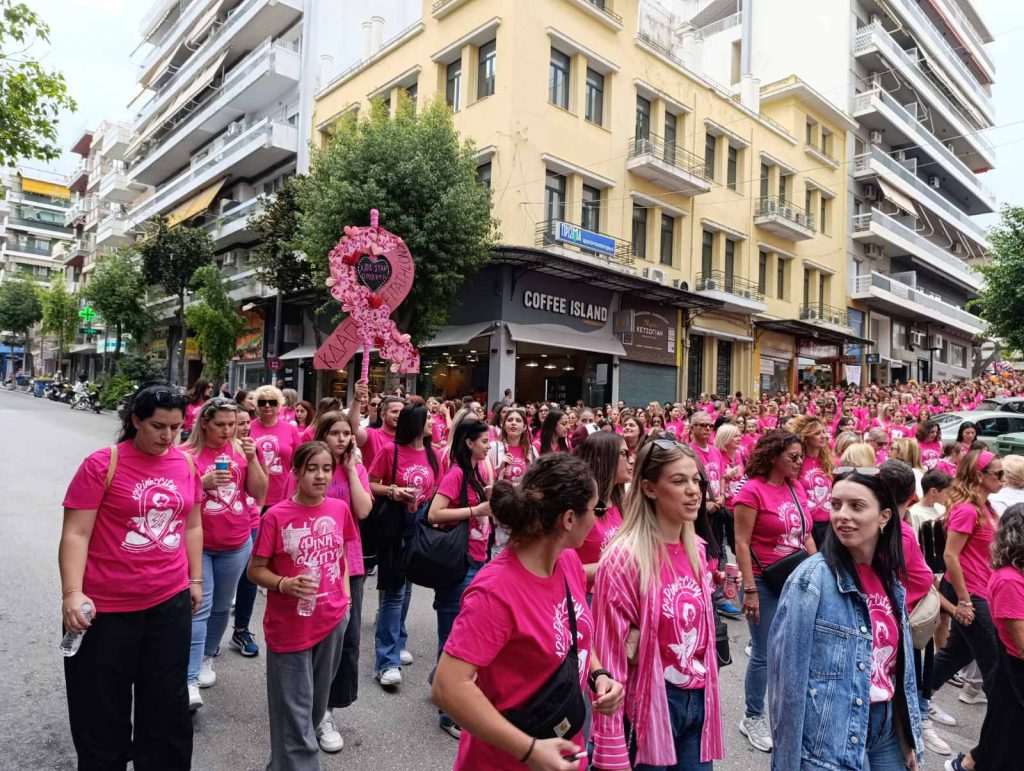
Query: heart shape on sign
(373, 273)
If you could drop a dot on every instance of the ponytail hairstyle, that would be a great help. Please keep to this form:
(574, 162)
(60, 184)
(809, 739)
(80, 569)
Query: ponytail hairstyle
(196, 441)
(547, 432)
(555, 484)
(306, 452)
(462, 456)
(147, 400)
(600, 451)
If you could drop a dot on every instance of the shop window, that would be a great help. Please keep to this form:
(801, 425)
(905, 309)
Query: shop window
(695, 366)
(558, 80)
(723, 369)
(487, 55)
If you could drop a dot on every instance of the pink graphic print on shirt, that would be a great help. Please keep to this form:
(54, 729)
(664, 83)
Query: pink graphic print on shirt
(563, 640)
(885, 639)
(682, 600)
(789, 540)
(225, 497)
(161, 513)
(418, 477)
(319, 545)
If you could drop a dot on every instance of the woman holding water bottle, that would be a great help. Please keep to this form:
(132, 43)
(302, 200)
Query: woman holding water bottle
(131, 561)
(299, 558)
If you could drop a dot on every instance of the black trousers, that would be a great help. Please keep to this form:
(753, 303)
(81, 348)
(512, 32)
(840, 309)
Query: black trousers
(145, 652)
(999, 744)
(345, 686)
(977, 642)
(722, 527)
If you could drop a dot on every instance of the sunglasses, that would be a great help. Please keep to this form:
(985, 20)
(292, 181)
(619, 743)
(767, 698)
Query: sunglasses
(375, 404)
(796, 457)
(845, 471)
(701, 425)
(220, 403)
(601, 508)
(266, 402)
(997, 474)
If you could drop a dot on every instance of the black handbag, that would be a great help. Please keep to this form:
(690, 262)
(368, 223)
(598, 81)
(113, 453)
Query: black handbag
(722, 651)
(382, 536)
(557, 710)
(438, 558)
(775, 575)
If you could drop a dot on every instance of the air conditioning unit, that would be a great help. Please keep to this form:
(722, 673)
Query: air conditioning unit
(810, 313)
(228, 259)
(917, 338)
(745, 293)
(958, 248)
(235, 128)
(934, 181)
(655, 274)
(911, 165)
(679, 283)
(874, 251)
(871, 192)
(801, 219)
(769, 206)
(710, 285)
(875, 137)
(900, 155)
(935, 341)
(837, 320)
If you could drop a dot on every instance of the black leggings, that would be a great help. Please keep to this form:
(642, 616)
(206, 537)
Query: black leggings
(999, 744)
(977, 642)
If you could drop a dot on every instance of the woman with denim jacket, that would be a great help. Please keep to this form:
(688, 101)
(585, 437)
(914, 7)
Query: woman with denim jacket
(841, 682)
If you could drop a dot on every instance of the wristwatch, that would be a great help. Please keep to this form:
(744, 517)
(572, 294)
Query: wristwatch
(592, 680)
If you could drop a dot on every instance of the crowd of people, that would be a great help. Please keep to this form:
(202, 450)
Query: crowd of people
(584, 558)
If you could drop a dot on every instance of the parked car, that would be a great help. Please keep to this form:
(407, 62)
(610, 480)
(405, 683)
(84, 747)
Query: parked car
(991, 425)
(1003, 404)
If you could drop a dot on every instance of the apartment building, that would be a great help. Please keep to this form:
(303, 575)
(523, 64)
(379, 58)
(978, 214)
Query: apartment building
(33, 211)
(916, 76)
(661, 236)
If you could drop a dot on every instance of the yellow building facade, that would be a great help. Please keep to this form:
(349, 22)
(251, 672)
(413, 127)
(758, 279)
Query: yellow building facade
(602, 146)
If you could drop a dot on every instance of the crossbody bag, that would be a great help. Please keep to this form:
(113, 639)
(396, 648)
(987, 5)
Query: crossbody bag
(775, 575)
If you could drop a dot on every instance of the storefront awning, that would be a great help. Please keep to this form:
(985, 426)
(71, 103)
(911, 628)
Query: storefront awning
(302, 352)
(695, 330)
(809, 331)
(458, 335)
(558, 336)
(897, 197)
(49, 189)
(82, 348)
(197, 204)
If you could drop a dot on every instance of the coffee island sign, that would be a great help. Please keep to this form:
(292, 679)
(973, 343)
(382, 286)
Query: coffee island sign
(552, 303)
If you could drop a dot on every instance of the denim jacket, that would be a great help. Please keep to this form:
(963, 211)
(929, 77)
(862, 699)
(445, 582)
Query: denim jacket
(819, 672)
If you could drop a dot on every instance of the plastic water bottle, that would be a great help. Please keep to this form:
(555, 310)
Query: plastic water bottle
(73, 640)
(307, 606)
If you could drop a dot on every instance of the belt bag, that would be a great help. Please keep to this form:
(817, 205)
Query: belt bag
(775, 575)
(925, 618)
(557, 710)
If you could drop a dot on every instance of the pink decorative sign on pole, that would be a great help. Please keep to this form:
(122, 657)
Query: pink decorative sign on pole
(371, 273)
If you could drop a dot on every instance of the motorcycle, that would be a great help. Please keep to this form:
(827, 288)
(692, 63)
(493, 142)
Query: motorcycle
(60, 392)
(87, 400)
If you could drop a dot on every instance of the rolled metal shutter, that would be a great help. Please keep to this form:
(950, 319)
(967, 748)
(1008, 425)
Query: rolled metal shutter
(641, 384)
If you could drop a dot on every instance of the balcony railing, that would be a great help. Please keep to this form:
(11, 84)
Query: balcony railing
(773, 206)
(675, 156)
(720, 26)
(720, 281)
(623, 252)
(601, 6)
(41, 251)
(26, 222)
(967, 26)
(825, 313)
(813, 148)
(861, 285)
(242, 211)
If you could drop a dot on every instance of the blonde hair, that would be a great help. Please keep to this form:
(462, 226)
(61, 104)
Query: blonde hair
(725, 432)
(196, 441)
(269, 392)
(908, 451)
(1013, 471)
(806, 426)
(859, 454)
(844, 440)
(291, 397)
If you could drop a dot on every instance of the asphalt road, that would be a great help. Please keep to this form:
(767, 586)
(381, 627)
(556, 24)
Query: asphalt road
(41, 445)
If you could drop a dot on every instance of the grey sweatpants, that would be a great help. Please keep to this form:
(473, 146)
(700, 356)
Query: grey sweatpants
(298, 685)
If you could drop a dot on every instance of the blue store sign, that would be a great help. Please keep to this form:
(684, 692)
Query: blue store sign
(585, 239)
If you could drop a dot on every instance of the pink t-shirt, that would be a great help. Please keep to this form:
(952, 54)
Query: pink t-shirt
(919, 576)
(1006, 601)
(767, 423)
(413, 471)
(900, 431)
(514, 626)
(308, 433)
(945, 465)
(714, 467)
(682, 632)
(514, 468)
(278, 444)
(293, 536)
(191, 411)
(975, 558)
(340, 489)
(376, 438)
(226, 524)
(136, 555)
(677, 428)
(777, 526)
(479, 527)
(747, 444)
(818, 486)
(930, 454)
(885, 635)
(733, 486)
(600, 535)
(438, 429)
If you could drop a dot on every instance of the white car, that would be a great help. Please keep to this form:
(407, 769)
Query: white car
(990, 425)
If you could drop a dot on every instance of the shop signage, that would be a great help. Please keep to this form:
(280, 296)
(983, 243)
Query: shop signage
(249, 343)
(651, 335)
(111, 343)
(586, 239)
(553, 303)
(274, 363)
(873, 358)
(818, 351)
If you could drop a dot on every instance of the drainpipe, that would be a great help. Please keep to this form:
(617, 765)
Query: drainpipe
(750, 87)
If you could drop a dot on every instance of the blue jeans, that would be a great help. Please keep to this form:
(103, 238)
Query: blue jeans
(221, 570)
(882, 752)
(447, 603)
(245, 596)
(686, 713)
(391, 635)
(756, 680)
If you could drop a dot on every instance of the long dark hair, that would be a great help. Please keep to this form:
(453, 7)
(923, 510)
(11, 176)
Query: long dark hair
(147, 400)
(601, 451)
(197, 392)
(324, 423)
(411, 422)
(462, 456)
(547, 432)
(960, 431)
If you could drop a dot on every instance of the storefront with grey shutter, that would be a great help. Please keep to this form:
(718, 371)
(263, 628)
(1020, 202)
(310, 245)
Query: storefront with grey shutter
(650, 335)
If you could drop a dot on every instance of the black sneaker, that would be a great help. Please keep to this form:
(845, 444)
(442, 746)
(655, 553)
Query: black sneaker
(450, 727)
(243, 642)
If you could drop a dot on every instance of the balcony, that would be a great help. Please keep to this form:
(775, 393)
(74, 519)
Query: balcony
(877, 110)
(117, 186)
(71, 253)
(259, 80)
(599, 10)
(877, 162)
(739, 294)
(895, 297)
(825, 314)
(78, 178)
(783, 218)
(961, 24)
(113, 231)
(115, 140)
(252, 151)
(898, 239)
(571, 240)
(31, 224)
(32, 249)
(661, 162)
(231, 227)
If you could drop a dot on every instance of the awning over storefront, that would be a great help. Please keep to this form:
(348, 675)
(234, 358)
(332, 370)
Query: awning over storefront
(695, 330)
(49, 189)
(460, 335)
(195, 205)
(302, 352)
(82, 348)
(809, 331)
(562, 337)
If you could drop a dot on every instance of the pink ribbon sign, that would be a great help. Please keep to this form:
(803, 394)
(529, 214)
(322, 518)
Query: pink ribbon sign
(371, 273)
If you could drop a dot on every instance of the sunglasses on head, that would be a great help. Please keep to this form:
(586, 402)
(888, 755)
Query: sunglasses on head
(266, 402)
(844, 471)
(220, 403)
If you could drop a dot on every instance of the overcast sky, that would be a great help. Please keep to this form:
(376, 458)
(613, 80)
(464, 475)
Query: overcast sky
(93, 42)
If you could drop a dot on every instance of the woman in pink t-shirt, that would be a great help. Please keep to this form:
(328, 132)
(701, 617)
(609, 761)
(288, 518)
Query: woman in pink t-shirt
(612, 466)
(553, 433)
(299, 558)
(131, 549)
(242, 639)
(749, 438)
(200, 391)
(727, 440)
(513, 631)
(816, 473)
(510, 456)
(929, 439)
(277, 440)
(226, 531)
(970, 526)
(772, 523)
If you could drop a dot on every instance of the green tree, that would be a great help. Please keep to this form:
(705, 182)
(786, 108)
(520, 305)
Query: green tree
(60, 316)
(170, 257)
(416, 172)
(212, 316)
(31, 97)
(276, 226)
(117, 291)
(1001, 302)
(20, 310)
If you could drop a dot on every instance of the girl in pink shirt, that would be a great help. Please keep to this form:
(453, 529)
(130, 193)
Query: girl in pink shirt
(200, 391)
(553, 433)
(131, 566)
(513, 631)
(749, 438)
(610, 462)
(300, 557)
(510, 456)
(727, 440)
(816, 473)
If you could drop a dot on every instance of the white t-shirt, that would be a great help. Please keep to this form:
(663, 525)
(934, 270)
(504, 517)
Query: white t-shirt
(1005, 498)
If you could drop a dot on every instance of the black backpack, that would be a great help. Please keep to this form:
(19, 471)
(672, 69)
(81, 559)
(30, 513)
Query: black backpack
(932, 538)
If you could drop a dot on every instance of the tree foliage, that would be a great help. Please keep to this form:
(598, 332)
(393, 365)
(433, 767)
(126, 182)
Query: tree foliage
(276, 227)
(212, 316)
(1001, 302)
(31, 97)
(60, 316)
(117, 291)
(415, 171)
(20, 310)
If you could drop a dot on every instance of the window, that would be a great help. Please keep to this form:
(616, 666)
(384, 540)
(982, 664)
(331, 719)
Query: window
(709, 153)
(762, 271)
(483, 174)
(554, 196)
(668, 225)
(643, 118)
(730, 169)
(810, 131)
(957, 355)
(764, 180)
(782, 188)
(826, 141)
(453, 85)
(558, 85)
(822, 291)
(899, 334)
(707, 254)
(809, 200)
(412, 92)
(595, 97)
(730, 263)
(670, 138)
(486, 55)
(824, 214)
(639, 231)
(780, 279)
(591, 208)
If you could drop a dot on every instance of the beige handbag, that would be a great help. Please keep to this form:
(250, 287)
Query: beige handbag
(925, 618)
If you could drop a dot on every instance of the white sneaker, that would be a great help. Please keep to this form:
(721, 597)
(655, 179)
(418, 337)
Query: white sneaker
(390, 677)
(195, 701)
(757, 732)
(940, 715)
(972, 694)
(328, 736)
(932, 740)
(406, 658)
(207, 676)
(748, 649)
